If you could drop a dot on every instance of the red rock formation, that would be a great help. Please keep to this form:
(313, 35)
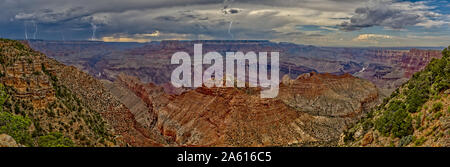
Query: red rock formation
(312, 109)
(239, 117)
(389, 69)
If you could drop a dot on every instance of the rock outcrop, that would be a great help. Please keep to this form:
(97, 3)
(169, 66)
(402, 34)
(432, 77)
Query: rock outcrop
(329, 95)
(7, 141)
(239, 117)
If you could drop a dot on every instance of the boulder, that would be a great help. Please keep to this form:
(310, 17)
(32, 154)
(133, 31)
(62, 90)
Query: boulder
(7, 141)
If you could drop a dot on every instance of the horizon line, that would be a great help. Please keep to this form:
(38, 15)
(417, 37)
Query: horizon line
(227, 40)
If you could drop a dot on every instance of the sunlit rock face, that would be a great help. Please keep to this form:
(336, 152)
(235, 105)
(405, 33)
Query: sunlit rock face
(312, 109)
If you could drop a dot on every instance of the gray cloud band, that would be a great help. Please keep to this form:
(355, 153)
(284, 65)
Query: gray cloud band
(202, 19)
(386, 14)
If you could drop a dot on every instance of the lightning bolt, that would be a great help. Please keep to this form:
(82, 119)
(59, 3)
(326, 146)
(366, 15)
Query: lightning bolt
(35, 30)
(229, 29)
(26, 33)
(227, 4)
(94, 28)
(62, 36)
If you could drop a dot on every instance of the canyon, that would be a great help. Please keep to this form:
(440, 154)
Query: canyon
(121, 93)
(311, 110)
(387, 68)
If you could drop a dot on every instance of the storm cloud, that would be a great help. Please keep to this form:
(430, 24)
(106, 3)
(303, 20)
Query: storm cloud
(388, 14)
(277, 20)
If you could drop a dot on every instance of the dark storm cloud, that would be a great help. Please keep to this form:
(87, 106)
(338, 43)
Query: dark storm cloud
(52, 16)
(104, 17)
(109, 16)
(167, 18)
(196, 19)
(55, 10)
(384, 14)
(230, 11)
(60, 10)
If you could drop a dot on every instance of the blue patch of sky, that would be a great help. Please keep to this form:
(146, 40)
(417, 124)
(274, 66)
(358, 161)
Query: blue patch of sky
(429, 31)
(440, 6)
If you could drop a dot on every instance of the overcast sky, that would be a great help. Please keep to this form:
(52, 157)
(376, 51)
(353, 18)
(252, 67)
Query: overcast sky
(315, 22)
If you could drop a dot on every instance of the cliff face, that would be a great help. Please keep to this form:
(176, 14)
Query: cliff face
(416, 114)
(35, 91)
(329, 95)
(389, 69)
(239, 117)
(98, 97)
(60, 98)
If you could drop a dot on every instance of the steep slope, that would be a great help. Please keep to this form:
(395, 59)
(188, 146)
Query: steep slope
(36, 95)
(46, 103)
(239, 117)
(329, 95)
(416, 114)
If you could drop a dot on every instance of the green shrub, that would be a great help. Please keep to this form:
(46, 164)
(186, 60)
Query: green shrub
(349, 136)
(17, 127)
(437, 107)
(420, 141)
(14, 125)
(55, 139)
(395, 121)
(3, 96)
(416, 99)
(418, 120)
(437, 115)
(404, 141)
(367, 124)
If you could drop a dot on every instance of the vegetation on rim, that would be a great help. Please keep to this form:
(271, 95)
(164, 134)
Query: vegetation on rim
(38, 110)
(405, 118)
